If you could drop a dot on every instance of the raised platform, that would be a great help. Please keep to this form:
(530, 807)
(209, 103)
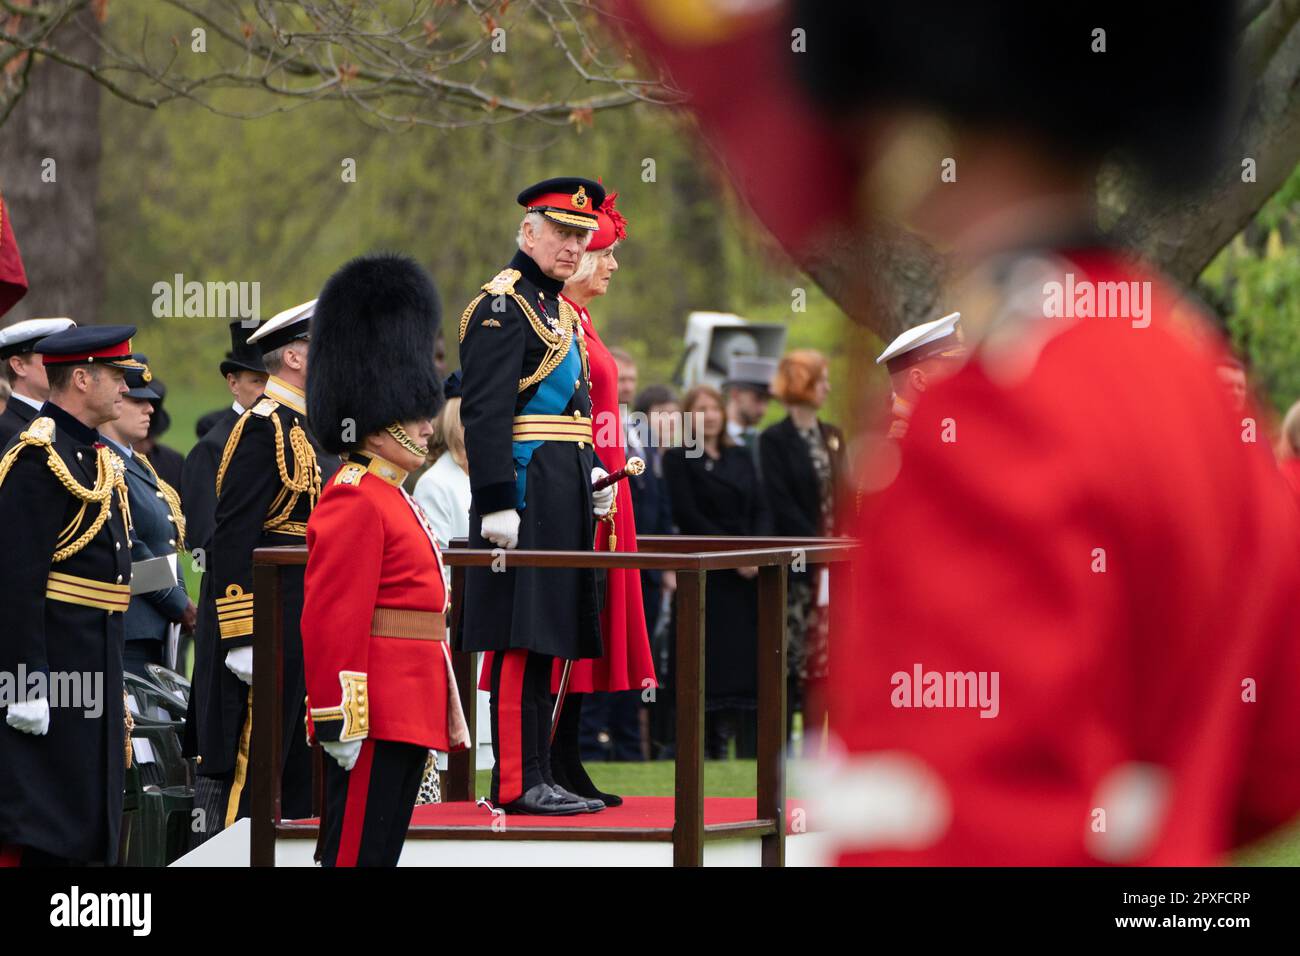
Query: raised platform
(639, 833)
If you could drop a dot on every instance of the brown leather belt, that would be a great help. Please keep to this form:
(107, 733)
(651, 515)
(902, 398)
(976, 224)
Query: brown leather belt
(409, 624)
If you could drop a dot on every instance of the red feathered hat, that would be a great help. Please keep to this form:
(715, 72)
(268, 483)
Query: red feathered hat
(13, 278)
(612, 228)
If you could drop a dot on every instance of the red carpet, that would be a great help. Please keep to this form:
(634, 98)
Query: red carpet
(639, 812)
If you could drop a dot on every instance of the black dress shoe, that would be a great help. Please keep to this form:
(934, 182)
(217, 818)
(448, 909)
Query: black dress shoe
(544, 801)
(593, 805)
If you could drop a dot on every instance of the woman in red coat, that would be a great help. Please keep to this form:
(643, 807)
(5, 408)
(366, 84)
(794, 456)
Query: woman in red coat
(627, 664)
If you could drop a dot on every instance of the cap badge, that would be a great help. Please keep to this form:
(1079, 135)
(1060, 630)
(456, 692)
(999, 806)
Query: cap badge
(580, 198)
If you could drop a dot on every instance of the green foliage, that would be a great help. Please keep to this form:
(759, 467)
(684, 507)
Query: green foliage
(1255, 281)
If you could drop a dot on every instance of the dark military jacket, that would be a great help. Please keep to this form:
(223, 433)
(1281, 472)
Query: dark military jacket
(521, 353)
(16, 416)
(66, 568)
(267, 482)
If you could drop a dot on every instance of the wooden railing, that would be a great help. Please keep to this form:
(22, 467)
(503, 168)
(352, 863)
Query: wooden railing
(692, 558)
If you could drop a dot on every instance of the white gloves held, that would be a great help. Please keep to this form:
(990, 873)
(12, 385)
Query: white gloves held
(345, 752)
(30, 717)
(603, 500)
(502, 528)
(240, 663)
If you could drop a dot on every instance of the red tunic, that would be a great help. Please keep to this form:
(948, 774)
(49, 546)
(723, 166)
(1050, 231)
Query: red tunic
(627, 664)
(368, 551)
(1088, 526)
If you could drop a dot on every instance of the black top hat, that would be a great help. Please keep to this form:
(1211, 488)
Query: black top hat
(242, 357)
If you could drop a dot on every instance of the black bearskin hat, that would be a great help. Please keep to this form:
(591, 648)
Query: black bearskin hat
(370, 362)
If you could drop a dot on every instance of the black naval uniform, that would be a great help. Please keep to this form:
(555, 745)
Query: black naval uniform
(62, 607)
(255, 509)
(515, 340)
(199, 479)
(16, 417)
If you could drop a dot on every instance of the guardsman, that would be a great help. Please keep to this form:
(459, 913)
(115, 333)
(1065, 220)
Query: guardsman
(379, 678)
(24, 372)
(158, 598)
(918, 359)
(246, 378)
(267, 483)
(66, 569)
(528, 440)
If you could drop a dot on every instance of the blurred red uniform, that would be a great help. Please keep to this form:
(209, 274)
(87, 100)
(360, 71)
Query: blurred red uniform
(1081, 529)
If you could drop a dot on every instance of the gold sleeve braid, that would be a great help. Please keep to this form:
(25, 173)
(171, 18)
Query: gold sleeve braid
(108, 478)
(173, 501)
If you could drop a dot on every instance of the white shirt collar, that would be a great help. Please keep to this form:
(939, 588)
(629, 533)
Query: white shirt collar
(238, 409)
(30, 401)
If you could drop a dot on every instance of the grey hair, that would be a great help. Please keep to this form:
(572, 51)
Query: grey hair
(536, 219)
(587, 264)
(274, 360)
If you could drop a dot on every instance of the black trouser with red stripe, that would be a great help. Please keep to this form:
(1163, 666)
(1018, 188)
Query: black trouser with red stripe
(521, 722)
(368, 808)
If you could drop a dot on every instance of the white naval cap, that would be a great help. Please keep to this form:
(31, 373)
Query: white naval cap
(940, 337)
(283, 327)
(23, 336)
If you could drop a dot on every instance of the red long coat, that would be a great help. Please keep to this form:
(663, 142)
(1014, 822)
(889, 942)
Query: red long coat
(627, 664)
(367, 550)
(1158, 697)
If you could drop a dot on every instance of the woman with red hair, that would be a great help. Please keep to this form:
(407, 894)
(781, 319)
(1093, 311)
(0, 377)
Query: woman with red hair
(802, 459)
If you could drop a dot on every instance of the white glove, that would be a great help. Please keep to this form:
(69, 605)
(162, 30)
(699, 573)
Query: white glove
(345, 752)
(240, 663)
(502, 528)
(30, 716)
(603, 500)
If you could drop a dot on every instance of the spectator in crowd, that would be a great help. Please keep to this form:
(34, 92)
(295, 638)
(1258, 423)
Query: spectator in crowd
(167, 461)
(444, 495)
(716, 492)
(802, 461)
(1232, 374)
(657, 429)
(1288, 450)
(748, 390)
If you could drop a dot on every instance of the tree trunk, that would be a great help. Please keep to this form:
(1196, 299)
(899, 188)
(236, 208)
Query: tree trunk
(54, 222)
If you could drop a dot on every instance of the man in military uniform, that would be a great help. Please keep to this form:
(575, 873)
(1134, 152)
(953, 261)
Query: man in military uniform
(379, 676)
(528, 439)
(246, 378)
(917, 360)
(157, 531)
(24, 372)
(267, 482)
(67, 568)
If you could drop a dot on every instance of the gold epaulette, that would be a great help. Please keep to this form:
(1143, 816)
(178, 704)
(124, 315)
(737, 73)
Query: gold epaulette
(503, 282)
(109, 477)
(265, 407)
(350, 474)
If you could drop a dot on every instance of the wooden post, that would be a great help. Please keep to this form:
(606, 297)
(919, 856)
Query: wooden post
(264, 703)
(461, 766)
(772, 706)
(688, 802)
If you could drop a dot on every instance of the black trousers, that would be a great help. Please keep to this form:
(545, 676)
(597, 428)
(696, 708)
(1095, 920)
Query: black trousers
(368, 808)
(521, 722)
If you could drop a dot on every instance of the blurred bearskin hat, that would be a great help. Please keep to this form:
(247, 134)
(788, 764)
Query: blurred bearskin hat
(370, 362)
(1086, 79)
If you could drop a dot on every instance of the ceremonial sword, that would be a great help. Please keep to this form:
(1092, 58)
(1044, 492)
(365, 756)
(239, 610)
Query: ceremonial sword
(634, 466)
